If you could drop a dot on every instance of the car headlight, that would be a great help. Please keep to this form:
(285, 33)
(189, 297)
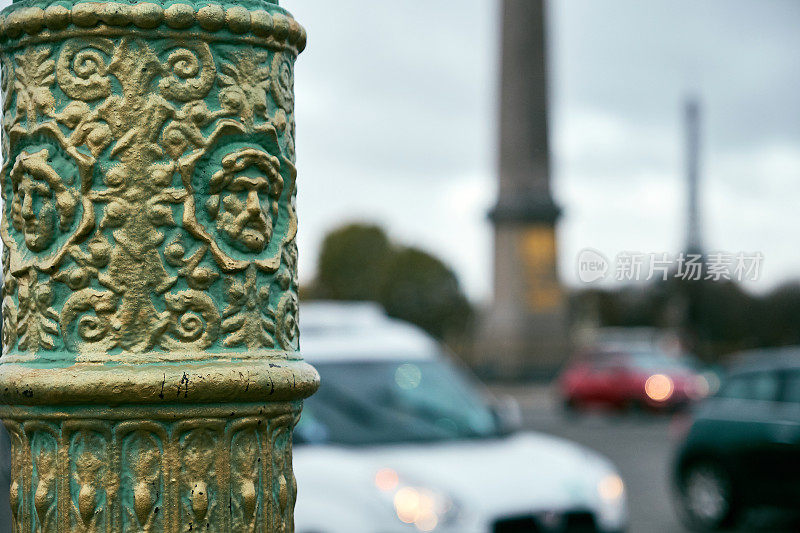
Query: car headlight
(612, 511)
(611, 488)
(659, 387)
(423, 507)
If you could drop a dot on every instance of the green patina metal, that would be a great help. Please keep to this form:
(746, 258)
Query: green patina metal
(150, 377)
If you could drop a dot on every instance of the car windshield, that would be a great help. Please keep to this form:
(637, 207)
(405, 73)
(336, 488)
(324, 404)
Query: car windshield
(657, 362)
(360, 403)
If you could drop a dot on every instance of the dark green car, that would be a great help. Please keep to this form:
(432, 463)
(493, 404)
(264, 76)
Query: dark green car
(743, 447)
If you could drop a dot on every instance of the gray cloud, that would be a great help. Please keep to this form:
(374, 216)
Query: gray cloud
(396, 123)
(621, 70)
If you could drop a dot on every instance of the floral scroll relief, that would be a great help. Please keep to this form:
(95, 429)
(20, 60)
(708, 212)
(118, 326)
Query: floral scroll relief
(138, 144)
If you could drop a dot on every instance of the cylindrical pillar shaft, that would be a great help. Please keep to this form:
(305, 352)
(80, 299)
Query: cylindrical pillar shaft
(151, 376)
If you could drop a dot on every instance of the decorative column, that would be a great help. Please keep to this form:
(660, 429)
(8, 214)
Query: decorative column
(150, 377)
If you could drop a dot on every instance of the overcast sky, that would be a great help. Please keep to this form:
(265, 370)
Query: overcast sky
(396, 123)
(396, 106)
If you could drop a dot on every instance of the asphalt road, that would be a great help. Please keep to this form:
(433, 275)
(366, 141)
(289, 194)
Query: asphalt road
(641, 446)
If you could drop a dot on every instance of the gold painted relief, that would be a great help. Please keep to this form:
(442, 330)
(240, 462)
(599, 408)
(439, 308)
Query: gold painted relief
(150, 377)
(139, 174)
(150, 475)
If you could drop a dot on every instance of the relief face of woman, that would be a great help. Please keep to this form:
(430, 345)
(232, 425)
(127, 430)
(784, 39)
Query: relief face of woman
(41, 200)
(38, 225)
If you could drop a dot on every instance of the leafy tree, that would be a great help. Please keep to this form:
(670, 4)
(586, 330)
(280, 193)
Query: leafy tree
(358, 262)
(352, 262)
(716, 317)
(421, 289)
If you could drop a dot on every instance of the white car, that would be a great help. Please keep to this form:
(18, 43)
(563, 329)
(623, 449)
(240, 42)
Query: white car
(400, 439)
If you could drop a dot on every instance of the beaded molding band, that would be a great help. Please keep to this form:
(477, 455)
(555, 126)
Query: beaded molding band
(213, 17)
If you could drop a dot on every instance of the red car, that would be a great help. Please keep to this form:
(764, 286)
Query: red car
(623, 379)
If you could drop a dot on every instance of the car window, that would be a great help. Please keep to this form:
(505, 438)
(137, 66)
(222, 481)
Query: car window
(607, 363)
(791, 387)
(753, 386)
(381, 402)
(651, 361)
(658, 362)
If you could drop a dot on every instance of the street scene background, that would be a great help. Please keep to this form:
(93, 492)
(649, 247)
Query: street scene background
(551, 193)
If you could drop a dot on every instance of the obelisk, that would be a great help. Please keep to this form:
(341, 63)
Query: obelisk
(524, 334)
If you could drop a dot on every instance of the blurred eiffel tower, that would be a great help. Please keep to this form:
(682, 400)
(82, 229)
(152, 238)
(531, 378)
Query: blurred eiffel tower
(692, 298)
(692, 114)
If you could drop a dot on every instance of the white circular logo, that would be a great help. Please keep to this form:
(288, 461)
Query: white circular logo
(592, 265)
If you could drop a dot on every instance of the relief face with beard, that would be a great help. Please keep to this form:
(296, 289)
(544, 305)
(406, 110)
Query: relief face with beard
(243, 199)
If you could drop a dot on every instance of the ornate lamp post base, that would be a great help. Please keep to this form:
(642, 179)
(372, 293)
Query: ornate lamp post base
(151, 376)
(168, 465)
